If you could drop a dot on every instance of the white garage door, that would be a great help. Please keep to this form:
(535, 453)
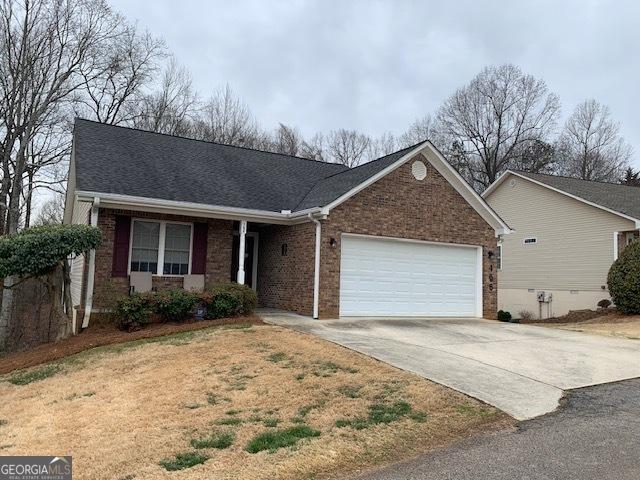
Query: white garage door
(385, 277)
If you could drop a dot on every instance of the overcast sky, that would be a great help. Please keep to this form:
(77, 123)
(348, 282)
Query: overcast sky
(375, 66)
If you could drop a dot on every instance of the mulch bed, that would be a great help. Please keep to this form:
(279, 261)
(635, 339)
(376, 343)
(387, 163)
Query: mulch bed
(576, 316)
(99, 335)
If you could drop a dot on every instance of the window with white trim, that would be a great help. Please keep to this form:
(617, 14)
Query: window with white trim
(499, 259)
(162, 248)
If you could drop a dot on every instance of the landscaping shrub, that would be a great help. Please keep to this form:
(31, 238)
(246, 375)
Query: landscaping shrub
(624, 280)
(228, 300)
(133, 311)
(504, 316)
(604, 303)
(175, 305)
(525, 315)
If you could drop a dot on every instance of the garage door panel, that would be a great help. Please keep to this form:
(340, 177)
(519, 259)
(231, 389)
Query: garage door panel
(391, 277)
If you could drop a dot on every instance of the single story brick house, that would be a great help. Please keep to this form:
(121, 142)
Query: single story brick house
(403, 235)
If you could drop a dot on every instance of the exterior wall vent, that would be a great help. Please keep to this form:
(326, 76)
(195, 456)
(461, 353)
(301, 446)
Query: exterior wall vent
(419, 170)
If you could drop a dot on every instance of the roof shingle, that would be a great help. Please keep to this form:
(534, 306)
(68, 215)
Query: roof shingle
(621, 198)
(126, 161)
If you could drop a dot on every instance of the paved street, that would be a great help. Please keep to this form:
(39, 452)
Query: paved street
(595, 435)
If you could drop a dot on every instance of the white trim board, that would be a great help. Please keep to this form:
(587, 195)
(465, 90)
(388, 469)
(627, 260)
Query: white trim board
(504, 176)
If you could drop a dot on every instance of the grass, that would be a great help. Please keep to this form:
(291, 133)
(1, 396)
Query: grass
(183, 461)
(215, 440)
(133, 441)
(473, 410)
(273, 440)
(25, 377)
(277, 357)
(3, 422)
(383, 413)
(229, 421)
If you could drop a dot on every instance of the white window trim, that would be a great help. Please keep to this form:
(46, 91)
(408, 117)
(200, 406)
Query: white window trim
(161, 244)
(535, 241)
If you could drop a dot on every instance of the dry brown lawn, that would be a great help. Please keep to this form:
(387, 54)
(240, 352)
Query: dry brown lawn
(615, 325)
(120, 410)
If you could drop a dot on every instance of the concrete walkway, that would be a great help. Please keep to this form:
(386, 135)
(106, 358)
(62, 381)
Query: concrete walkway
(520, 369)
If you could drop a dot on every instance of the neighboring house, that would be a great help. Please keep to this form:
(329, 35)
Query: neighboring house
(567, 234)
(403, 235)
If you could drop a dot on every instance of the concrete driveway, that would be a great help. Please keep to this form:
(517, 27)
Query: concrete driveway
(521, 369)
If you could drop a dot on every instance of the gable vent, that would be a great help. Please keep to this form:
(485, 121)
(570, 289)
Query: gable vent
(419, 170)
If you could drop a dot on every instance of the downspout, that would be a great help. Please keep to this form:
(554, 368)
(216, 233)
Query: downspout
(92, 267)
(316, 271)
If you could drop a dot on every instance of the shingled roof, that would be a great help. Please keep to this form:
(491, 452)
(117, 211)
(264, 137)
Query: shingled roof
(117, 160)
(620, 198)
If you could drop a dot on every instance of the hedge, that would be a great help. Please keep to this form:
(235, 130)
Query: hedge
(624, 280)
(220, 301)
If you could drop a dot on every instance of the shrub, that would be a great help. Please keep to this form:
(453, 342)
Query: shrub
(133, 311)
(504, 316)
(604, 303)
(229, 299)
(38, 250)
(175, 305)
(525, 315)
(624, 280)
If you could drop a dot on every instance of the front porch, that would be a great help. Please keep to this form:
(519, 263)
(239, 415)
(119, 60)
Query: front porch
(277, 261)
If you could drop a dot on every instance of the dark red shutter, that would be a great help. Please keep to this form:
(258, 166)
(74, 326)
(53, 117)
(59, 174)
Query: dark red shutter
(199, 254)
(121, 246)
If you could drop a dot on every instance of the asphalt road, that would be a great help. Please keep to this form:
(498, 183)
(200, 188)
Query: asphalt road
(595, 435)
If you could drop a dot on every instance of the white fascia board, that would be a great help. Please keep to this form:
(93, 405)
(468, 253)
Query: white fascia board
(157, 205)
(468, 193)
(562, 192)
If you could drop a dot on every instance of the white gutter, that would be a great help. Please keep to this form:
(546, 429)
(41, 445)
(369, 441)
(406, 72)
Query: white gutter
(129, 202)
(92, 266)
(316, 268)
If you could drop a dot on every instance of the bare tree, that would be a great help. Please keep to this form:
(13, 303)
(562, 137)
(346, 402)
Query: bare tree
(111, 94)
(171, 107)
(51, 211)
(224, 118)
(347, 147)
(314, 148)
(286, 140)
(591, 146)
(495, 118)
(382, 145)
(420, 130)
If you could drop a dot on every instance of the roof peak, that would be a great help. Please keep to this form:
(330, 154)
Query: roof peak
(135, 129)
(553, 175)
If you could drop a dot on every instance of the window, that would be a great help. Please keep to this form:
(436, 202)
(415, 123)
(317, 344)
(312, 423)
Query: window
(530, 241)
(161, 248)
(499, 255)
(145, 247)
(176, 249)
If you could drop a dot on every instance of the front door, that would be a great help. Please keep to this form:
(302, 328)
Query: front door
(249, 246)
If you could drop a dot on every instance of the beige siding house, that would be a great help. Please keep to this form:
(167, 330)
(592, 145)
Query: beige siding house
(567, 232)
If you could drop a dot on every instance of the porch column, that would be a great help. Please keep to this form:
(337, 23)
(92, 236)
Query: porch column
(243, 234)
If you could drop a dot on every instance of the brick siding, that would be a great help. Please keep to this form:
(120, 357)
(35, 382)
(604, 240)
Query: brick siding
(218, 267)
(286, 281)
(398, 205)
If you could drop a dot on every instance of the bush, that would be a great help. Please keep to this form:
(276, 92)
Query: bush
(504, 316)
(604, 303)
(525, 315)
(624, 280)
(133, 311)
(38, 250)
(175, 305)
(228, 300)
